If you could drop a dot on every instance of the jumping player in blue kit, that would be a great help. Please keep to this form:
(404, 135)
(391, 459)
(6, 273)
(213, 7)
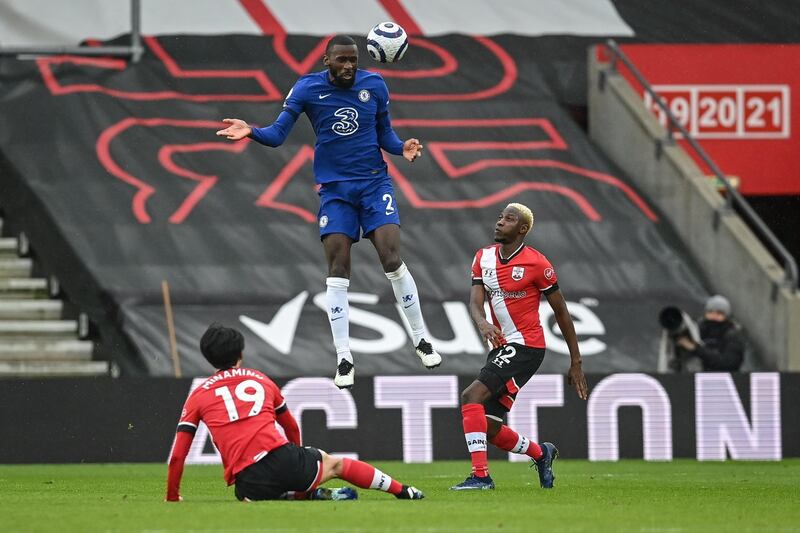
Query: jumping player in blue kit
(349, 110)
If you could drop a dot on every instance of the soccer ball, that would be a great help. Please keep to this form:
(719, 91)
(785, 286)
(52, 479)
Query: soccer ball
(387, 42)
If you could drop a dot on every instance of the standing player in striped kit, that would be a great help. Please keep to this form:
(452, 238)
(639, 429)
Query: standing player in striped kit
(514, 277)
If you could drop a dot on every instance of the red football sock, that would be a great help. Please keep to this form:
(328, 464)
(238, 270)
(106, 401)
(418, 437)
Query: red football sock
(474, 420)
(366, 476)
(509, 440)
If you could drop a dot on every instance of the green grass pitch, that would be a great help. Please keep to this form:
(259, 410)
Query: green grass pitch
(634, 496)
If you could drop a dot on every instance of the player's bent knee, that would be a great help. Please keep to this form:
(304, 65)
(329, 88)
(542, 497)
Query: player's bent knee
(476, 392)
(468, 397)
(331, 466)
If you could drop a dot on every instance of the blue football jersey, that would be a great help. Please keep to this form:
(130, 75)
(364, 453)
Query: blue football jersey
(352, 125)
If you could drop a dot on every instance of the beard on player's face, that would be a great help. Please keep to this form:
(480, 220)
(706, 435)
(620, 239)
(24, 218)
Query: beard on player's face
(341, 81)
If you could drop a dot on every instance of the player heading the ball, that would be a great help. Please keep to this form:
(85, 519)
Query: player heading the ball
(349, 110)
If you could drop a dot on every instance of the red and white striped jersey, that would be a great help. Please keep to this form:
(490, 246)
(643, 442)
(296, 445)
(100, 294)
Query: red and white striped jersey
(514, 286)
(239, 406)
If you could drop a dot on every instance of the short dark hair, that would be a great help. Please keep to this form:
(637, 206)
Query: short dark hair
(222, 346)
(341, 39)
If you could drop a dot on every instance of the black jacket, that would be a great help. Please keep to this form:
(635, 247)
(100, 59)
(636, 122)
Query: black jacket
(723, 345)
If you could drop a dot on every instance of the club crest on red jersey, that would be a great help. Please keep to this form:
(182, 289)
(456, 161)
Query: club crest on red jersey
(517, 273)
(549, 273)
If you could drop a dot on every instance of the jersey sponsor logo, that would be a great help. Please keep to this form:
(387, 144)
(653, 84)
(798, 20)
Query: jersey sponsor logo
(514, 295)
(323, 221)
(323, 96)
(549, 273)
(347, 123)
(364, 95)
(517, 273)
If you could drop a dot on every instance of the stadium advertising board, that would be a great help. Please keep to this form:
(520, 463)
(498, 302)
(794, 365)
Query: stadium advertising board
(709, 416)
(737, 101)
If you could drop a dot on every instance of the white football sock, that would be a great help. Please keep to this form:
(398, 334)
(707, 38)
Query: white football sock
(338, 316)
(380, 481)
(405, 292)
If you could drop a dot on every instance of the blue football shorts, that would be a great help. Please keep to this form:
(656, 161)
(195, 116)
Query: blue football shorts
(356, 207)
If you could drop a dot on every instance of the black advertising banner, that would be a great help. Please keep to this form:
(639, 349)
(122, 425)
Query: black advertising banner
(709, 416)
(127, 187)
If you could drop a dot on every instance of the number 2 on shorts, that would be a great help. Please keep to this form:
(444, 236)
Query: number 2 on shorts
(389, 207)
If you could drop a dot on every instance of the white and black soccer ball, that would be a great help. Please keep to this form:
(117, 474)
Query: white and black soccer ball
(387, 42)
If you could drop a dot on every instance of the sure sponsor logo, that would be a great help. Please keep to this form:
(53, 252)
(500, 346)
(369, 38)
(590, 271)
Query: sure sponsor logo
(391, 333)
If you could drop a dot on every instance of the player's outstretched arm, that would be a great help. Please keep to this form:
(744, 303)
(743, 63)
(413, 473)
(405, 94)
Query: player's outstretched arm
(237, 129)
(575, 375)
(412, 149)
(183, 440)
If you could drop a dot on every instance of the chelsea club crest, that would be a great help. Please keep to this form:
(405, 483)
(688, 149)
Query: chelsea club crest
(364, 95)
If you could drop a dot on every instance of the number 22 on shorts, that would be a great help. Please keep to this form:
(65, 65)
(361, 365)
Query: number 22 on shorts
(504, 356)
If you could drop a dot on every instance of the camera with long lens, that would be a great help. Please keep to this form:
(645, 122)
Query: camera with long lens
(675, 322)
(671, 319)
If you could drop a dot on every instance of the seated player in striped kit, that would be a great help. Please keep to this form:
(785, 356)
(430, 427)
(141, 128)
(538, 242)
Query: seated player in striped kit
(241, 406)
(514, 277)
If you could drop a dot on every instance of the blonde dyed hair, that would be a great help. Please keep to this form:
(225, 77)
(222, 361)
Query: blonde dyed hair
(525, 214)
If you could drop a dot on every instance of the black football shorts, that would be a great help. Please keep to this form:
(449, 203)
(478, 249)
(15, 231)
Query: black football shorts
(287, 468)
(508, 368)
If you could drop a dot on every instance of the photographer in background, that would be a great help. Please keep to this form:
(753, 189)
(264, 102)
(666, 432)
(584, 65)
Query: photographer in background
(714, 344)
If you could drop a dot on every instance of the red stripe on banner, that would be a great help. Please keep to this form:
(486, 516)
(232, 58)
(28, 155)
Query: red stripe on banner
(500, 196)
(449, 63)
(175, 70)
(543, 123)
(263, 17)
(505, 83)
(205, 181)
(401, 16)
(268, 197)
(314, 57)
(53, 84)
(144, 189)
